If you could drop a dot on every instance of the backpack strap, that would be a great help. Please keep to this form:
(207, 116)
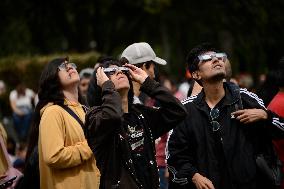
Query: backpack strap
(73, 114)
(236, 88)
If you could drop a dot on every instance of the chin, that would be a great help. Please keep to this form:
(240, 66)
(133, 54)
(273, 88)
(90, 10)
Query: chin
(219, 76)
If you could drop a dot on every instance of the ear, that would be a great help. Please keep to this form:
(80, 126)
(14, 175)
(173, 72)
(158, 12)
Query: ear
(195, 75)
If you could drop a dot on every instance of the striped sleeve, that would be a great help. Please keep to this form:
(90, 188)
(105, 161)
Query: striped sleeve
(253, 96)
(276, 120)
(273, 118)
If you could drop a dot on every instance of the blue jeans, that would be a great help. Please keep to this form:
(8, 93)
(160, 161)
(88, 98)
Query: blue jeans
(22, 125)
(163, 179)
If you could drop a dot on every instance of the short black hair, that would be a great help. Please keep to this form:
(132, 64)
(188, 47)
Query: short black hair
(192, 57)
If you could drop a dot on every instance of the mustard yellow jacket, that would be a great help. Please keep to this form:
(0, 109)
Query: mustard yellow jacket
(65, 159)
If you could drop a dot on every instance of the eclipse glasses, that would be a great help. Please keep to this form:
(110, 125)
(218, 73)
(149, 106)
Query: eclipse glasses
(209, 57)
(111, 71)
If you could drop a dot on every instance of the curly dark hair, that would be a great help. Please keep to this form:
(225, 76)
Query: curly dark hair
(97, 94)
(192, 57)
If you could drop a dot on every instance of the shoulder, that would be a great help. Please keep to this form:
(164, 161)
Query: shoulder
(251, 96)
(53, 110)
(29, 92)
(188, 100)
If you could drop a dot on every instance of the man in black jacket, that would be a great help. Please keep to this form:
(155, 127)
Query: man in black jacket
(226, 127)
(122, 134)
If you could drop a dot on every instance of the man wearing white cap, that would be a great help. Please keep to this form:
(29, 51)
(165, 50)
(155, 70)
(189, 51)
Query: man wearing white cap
(141, 55)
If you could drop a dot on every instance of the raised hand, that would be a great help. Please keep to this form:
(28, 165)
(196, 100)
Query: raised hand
(101, 76)
(137, 74)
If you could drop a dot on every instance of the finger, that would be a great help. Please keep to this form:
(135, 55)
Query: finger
(209, 184)
(242, 116)
(204, 186)
(101, 71)
(249, 121)
(131, 72)
(98, 70)
(244, 120)
(131, 66)
(238, 112)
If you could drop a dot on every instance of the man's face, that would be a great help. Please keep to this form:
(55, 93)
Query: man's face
(211, 67)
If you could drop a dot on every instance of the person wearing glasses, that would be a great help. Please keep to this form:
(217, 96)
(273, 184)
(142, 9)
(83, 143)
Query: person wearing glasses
(215, 147)
(122, 134)
(64, 158)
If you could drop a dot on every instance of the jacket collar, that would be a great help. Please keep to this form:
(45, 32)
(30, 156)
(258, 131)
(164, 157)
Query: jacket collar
(232, 95)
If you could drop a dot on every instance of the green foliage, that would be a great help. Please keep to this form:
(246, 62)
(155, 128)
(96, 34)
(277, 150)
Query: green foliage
(16, 69)
(249, 31)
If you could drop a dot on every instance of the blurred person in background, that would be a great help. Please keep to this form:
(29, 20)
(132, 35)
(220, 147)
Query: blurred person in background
(277, 106)
(245, 80)
(92, 84)
(267, 89)
(2, 87)
(6, 169)
(122, 134)
(64, 158)
(189, 87)
(21, 100)
(85, 77)
(229, 73)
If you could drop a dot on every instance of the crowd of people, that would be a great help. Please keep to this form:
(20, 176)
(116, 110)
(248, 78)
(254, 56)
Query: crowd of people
(118, 125)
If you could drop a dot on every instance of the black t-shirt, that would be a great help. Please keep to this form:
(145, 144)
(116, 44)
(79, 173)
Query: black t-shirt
(221, 176)
(136, 140)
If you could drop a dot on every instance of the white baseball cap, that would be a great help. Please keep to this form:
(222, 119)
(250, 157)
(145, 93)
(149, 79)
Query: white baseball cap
(141, 52)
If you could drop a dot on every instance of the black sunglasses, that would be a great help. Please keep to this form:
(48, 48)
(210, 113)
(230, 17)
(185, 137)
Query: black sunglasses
(214, 114)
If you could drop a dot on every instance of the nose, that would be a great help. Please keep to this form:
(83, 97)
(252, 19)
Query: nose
(118, 72)
(69, 67)
(215, 59)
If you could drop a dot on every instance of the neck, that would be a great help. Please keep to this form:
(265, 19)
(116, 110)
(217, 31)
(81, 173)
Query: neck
(71, 95)
(214, 92)
(124, 100)
(136, 88)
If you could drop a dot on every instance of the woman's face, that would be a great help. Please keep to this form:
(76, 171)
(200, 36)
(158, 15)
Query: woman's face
(68, 74)
(119, 79)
